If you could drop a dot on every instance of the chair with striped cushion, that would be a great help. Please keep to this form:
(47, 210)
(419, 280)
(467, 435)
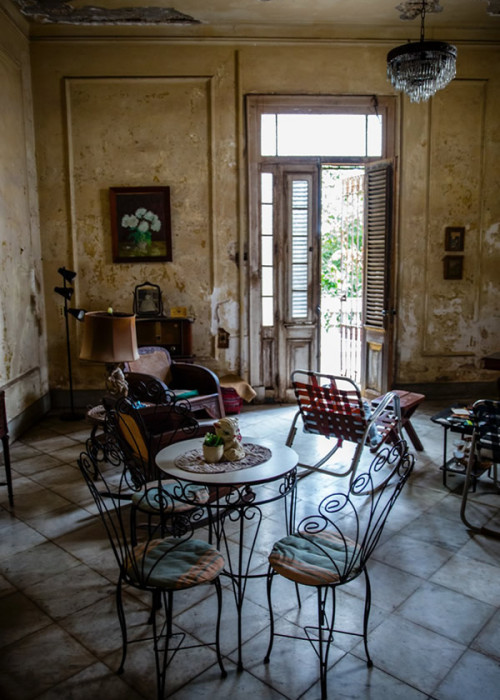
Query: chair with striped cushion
(332, 407)
(159, 554)
(332, 548)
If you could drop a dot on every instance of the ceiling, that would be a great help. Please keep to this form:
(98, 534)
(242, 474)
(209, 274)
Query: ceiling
(459, 19)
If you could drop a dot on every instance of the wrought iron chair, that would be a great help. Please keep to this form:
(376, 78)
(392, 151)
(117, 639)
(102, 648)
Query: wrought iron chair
(332, 406)
(332, 548)
(484, 455)
(142, 431)
(134, 434)
(159, 555)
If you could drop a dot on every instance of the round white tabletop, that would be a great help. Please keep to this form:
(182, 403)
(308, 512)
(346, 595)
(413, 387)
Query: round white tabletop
(283, 459)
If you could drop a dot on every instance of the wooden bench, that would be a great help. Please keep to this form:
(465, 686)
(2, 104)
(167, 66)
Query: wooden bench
(409, 404)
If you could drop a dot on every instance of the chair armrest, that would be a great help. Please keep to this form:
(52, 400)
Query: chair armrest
(144, 387)
(389, 400)
(187, 376)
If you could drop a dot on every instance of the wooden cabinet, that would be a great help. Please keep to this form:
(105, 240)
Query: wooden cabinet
(171, 333)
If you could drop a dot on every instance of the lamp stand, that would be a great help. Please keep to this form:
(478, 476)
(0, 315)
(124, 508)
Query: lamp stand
(72, 415)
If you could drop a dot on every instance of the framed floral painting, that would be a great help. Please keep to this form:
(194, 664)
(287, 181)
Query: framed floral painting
(140, 224)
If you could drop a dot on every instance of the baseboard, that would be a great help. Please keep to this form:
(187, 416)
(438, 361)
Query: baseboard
(29, 417)
(82, 400)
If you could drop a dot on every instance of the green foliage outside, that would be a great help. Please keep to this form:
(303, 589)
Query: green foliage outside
(341, 245)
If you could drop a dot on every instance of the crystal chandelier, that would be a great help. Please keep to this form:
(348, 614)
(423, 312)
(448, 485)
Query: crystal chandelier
(421, 68)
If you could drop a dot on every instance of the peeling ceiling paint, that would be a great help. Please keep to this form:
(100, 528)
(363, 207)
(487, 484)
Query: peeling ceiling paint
(62, 12)
(459, 13)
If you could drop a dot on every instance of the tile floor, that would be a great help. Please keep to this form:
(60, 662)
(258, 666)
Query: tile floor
(435, 622)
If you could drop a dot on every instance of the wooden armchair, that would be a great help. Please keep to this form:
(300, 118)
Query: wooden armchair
(199, 385)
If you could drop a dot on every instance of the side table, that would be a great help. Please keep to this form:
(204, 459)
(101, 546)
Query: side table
(4, 435)
(455, 424)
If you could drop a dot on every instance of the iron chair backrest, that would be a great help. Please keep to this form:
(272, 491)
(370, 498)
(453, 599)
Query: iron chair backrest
(354, 517)
(142, 430)
(140, 550)
(486, 415)
(484, 456)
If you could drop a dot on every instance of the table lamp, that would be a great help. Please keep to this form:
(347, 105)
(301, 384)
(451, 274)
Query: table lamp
(110, 337)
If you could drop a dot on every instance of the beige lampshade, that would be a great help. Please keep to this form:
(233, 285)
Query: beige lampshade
(109, 337)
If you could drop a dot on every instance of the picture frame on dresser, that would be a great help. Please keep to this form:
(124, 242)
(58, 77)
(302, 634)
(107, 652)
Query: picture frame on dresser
(147, 300)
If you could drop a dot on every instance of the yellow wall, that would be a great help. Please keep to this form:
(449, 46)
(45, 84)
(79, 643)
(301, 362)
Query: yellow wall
(128, 114)
(23, 358)
(158, 112)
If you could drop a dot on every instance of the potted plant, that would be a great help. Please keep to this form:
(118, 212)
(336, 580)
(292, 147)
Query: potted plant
(213, 448)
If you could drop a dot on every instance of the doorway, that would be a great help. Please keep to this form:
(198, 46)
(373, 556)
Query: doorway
(309, 160)
(342, 221)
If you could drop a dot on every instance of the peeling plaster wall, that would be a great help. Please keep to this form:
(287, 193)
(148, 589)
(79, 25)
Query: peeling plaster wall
(119, 113)
(450, 176)
(23, 357)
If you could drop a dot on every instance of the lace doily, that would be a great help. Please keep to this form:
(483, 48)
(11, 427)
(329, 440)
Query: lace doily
(193, 461)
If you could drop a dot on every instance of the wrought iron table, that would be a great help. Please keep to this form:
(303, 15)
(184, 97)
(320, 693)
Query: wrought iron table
(239, 500)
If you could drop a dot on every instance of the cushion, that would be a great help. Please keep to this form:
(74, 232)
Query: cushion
(154, 363)
(147, 499)
(133, 436)
(173, 564)
(308, 559)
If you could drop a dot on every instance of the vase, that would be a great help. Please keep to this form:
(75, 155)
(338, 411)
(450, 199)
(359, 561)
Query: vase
(213, 453)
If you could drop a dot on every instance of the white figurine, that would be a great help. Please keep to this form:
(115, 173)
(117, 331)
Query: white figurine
(228, 429)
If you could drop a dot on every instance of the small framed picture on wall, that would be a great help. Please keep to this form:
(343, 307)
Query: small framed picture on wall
(453, 267)
(454, 238)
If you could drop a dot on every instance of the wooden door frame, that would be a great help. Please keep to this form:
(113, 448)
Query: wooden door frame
(260, 104)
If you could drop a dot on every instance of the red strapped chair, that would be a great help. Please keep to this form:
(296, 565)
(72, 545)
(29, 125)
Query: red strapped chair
(333, 407)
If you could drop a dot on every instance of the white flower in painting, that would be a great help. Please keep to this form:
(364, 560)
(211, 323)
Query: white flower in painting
(129, 221)
(141, 224)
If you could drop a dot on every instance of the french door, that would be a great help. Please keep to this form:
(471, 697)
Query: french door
(289, 274)
(285, 247)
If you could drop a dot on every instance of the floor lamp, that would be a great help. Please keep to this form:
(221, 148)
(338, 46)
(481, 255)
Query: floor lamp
(67, 292)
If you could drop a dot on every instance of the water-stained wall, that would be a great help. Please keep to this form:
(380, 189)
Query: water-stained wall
(122, 113)
(114, 115)
(23, 358)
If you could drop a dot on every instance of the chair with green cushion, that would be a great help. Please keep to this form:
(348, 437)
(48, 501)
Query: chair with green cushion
(186, 380)
(157, 554)
(332, 547)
